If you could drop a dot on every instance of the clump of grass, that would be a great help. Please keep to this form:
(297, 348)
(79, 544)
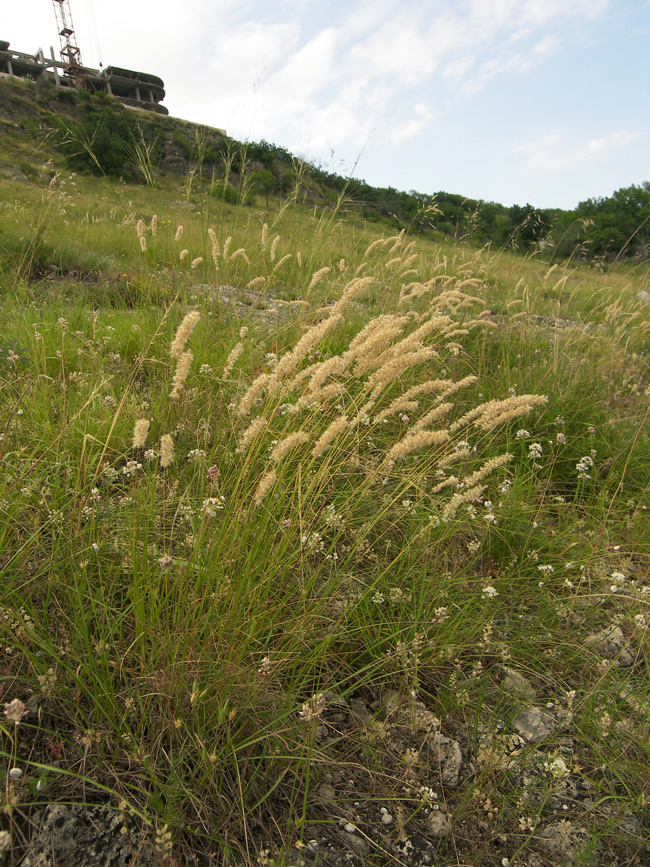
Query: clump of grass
(239, 558)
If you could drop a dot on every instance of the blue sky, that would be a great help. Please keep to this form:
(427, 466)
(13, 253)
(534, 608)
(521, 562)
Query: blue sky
(515, 101)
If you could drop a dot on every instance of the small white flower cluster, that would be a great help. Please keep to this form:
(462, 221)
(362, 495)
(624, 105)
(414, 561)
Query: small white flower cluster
(584, 467)
(196, 456)
(619, 581)
(535, 450)
(523, 434)
(131, 468)
(212, 505)
(313, 708)
(489, 592)
(205, 369)
(557, 768)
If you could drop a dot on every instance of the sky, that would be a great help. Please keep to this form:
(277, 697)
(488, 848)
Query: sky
(512, 101)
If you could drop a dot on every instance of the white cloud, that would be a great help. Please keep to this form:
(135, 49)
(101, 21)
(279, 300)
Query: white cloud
(400, 133)
(555, 152)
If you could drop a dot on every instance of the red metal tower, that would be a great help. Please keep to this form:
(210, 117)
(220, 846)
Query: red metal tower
(70, 53)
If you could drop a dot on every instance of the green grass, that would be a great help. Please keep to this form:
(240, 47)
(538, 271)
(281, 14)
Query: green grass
(170, 629)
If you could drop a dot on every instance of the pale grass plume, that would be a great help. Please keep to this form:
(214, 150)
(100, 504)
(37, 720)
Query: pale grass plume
(493, 412)
(196, 262)
(233, 356)
(265, 382)
(321, 370)
(256, 281)
(450, 482)
(264, 237)
(452, 387)
(182, 371)
(290, 442)
(318, 276)
(281, 262)
(393, 263)
(179, 233)
(487, 468)
(213, 241)
(389, 372)
(166, 451)
(342, 265)
(274, 247)
(266, 483)
(398, 240)
(253, 430)
(354, 287)
(182, 255)
(299, 258)
(240, 254)
(215, 258)
(139, 228)
(182, 334)
(400, 404)
(290, 361)
(416, 440)
(140, 431)
(372, 341)
(434, 414)
(333, 430)
(153, 228)
(469, 495)
(226, 247)
(379, 243)
(143, 243)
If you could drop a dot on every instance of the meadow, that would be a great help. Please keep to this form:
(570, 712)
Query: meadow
(320, 542)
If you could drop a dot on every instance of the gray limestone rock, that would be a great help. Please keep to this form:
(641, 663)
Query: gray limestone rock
(566, 842)
(447, 753)
(86, 836)
(534, 724)
(516, 684)
(612, 644)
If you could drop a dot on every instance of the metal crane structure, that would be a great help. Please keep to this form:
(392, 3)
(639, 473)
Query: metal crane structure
(70, 53)
(139, 90)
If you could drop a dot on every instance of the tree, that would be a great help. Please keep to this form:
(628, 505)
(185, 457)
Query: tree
(264, 182)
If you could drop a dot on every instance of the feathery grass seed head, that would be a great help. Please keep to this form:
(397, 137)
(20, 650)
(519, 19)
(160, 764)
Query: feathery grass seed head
(140, 431)
(166, 451)
(183, 333)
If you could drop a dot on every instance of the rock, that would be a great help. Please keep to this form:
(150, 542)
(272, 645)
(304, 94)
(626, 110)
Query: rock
(516, 683)
(438, 824)
(533, 724)
(447, 753)
(356, 844)
(416, 851)
(85, 836)
(566, 842)
(326, 792)
(612, 644)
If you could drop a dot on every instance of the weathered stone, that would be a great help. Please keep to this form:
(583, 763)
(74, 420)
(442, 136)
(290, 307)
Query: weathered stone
(566, 842)
(356, 844)
(447, 753)
(85, 836)
(612, 644)
(533, 724)
(516, 684)
(438, 824)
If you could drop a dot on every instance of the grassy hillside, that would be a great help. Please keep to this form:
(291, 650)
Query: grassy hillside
(320, 542)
